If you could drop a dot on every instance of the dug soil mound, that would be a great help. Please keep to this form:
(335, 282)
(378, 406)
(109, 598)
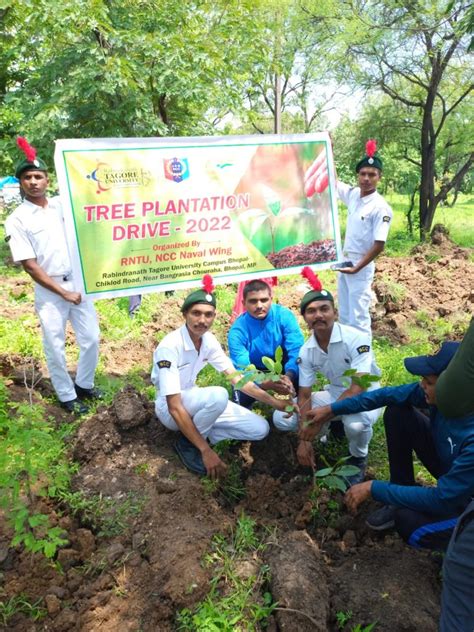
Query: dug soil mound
(138, 525)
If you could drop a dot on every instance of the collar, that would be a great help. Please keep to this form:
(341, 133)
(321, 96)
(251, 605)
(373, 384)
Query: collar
(188, 343)
(34, 207)
(367, 198)
(336, 336)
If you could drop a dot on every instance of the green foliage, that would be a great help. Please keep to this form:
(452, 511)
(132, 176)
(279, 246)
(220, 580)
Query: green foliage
(333, 477)
(107, 517)
(343, 617)
(20, 604)
(32, 464)
(363, 381)
(366, 628)
(240, 606)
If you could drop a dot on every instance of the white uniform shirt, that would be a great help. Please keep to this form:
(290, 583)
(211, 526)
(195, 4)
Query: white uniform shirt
(176, 361)
(348, 348)
(368, 219)
(34, 232)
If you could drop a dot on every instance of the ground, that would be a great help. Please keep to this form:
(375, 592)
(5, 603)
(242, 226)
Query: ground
(135, 569)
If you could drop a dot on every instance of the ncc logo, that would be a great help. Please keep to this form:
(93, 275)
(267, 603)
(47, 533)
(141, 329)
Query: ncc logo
(176, 169)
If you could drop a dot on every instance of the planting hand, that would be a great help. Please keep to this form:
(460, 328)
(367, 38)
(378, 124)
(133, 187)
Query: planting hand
(216, 468)
(305, 454)
(314, 419)
(356, 495)
(283, 386)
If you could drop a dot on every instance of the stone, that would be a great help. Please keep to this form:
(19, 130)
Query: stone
(114, 552)
(129, 408)
(57, 591)
(53, 604)
(86, 542)
(68, 557)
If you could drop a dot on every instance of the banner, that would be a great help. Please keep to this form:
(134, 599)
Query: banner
(152, 214)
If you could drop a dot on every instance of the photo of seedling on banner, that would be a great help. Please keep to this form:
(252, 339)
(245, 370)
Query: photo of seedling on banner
(274, 373)
(290, 216)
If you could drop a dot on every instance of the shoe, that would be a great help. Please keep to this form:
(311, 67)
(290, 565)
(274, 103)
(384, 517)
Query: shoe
(75, 407)
(336, 429)
(361, 463)
(382, 519)
(190, 456)
(88, 393)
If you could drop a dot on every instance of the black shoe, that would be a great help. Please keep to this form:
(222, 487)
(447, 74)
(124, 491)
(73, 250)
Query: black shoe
(88, 393)
(190, 456)
(382, 519)
(336, 429)
(359, 462)
(75, 407)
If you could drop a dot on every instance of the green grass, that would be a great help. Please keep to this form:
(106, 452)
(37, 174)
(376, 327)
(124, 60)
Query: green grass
(234, 601)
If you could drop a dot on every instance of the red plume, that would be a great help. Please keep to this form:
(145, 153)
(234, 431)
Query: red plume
(313, 279)
(207, 283)
(26, 148)
(370, 147)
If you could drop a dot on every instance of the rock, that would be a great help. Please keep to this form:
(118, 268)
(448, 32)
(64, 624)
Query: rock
(96, 435)
(74, 580)
(57, 591)
(350, 539)
(298, 581)
(53, 604)
(86, 542)
(68, 557)
(305, 515)
(244, 569)
(138, 541)
(129, 409)
(114, 552)
(165, 486)
(66, 620)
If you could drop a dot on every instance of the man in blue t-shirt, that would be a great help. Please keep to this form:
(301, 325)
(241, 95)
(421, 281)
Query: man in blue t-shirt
(423, 515)
(258, 332)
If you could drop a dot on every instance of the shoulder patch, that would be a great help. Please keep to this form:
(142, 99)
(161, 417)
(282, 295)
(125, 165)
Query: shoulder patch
(363, 349)
(386, 218)
(7, 238)
(164, 364)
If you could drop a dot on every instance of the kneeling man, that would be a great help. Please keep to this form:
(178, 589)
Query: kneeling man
(203, 415)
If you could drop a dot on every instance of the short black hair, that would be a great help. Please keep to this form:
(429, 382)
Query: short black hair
(256, 286)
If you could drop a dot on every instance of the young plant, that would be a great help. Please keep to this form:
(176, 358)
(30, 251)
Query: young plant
(364, 381)
(32, 465)
(342, 618)
(273, 373)
(333, 477)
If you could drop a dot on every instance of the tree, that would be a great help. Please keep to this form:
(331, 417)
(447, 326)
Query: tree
(415, 52)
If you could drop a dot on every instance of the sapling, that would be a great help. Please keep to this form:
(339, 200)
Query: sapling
(274, 373)
(31, 466)
(335, 476)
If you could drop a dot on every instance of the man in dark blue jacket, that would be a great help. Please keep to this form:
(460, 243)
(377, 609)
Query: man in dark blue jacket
(424, 516)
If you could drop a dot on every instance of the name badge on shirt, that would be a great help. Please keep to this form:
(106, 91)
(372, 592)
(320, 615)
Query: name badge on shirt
(363, 349)
(164, 364)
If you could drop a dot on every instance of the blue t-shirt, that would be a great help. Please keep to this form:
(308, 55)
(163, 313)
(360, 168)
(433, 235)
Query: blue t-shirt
(251, 338)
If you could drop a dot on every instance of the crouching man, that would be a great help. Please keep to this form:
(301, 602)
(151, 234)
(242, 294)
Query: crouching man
(424, 516)
(203, 415)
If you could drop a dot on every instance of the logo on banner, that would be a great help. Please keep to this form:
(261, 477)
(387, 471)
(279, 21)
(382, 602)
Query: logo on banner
(106, 177)
(176, 169)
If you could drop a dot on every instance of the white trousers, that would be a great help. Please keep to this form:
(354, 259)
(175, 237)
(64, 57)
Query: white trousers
(358, 427)
(215, 417)
(54, 312)
(354, 295)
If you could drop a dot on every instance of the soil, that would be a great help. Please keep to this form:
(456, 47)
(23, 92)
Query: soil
(148, 564)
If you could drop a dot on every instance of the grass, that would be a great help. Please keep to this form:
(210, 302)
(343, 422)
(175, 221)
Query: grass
(20, 604)
(235, 601)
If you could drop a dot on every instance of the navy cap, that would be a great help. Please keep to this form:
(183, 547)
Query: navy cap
(432, 364)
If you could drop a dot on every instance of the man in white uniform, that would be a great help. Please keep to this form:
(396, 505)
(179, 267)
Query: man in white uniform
(36, 236)
(332, 349)
(368, 223)
(204, 416)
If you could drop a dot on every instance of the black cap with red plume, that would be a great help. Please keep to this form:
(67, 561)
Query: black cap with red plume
(30, 162)
(317, 293)
(204, 295)
(370, 159)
